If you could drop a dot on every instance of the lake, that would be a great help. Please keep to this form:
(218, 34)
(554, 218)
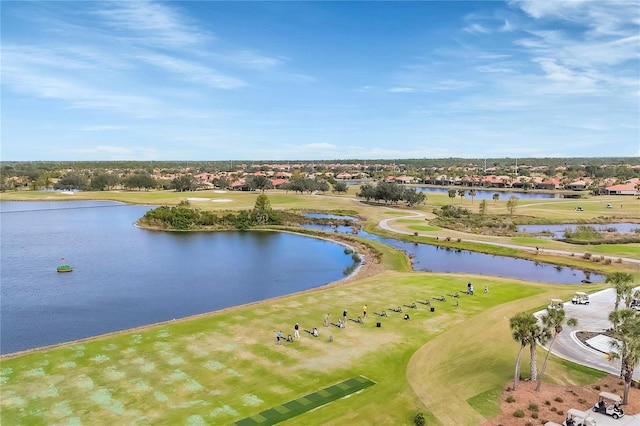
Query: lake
(126, 277)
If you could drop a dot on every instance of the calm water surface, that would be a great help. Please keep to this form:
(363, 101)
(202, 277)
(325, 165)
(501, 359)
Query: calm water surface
(558, 230)
(426, 257)
(487, 194)
(126, 277)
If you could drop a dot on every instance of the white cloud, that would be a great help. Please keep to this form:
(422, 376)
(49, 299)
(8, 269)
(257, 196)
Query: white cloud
(402, 90)
(192, 71)
(102, 128)
(150, 23)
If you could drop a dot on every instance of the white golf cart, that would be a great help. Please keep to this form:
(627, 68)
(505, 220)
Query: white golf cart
(576, 417)
(555, 304)
(580, 298)
(609, 404)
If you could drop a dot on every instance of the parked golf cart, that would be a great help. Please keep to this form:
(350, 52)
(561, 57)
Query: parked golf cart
(576, 417)
(555, 304)
(609, 404)
(580, 298)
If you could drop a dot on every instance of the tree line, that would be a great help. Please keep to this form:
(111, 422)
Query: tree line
(391, 193)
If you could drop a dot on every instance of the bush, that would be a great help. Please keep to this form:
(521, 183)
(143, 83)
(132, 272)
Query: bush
(518, 413)
(582, 400)
(510, 399)
(607, 261)
(533, 407)
(553, 409)
(534, 415)
(547, 402)
(586, 256)
(597, 387)
(560, 413)
(418, 420)
(558, 399)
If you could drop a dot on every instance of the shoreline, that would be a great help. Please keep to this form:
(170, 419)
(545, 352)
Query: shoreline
(365, 269)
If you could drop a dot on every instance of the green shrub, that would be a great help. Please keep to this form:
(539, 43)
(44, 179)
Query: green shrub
(558, 399)
(518, 413)
(418, 420)
(534, 415)
(533, 407)
(510, 398)
(547, 402)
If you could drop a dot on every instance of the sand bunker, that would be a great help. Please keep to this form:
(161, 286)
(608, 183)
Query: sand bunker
(197, 199)
(222, 200)
(218, 191)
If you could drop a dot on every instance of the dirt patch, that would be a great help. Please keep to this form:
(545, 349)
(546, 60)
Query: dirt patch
(553, 401)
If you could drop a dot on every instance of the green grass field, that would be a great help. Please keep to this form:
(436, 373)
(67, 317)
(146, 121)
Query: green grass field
(225, 367)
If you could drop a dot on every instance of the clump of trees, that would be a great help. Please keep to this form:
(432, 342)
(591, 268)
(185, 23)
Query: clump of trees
(184, 217)
(391, 193)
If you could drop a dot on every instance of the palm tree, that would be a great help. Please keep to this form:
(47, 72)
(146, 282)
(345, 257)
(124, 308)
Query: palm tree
(461, 193)
(626, 345)
(539, 335)
(452, 194)
(496, 196)
(472, 193)
(523, 328)
(623, 283)
(553, 321)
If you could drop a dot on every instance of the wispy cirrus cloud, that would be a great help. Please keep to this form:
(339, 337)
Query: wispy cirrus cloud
(192, 71)
(150, 23)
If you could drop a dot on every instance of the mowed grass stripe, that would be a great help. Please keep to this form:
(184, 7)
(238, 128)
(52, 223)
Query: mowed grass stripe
(308, 402)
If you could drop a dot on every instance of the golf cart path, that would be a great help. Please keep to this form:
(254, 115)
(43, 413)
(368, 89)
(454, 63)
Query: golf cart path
(384, 224)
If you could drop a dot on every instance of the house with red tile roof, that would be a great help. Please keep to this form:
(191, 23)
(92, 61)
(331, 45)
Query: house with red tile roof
(623, 189)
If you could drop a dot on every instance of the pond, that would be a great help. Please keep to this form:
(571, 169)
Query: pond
(426, 257)
(557, 231)
(487, 194)
(126, 277)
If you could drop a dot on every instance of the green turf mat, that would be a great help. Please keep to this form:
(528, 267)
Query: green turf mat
(305, 403)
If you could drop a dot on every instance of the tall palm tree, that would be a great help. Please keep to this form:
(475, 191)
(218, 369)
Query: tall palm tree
(553, 321)
(539, 335)
(626, 345)
(461, 194)
(472, 193)
(623, 283)
(523, 327)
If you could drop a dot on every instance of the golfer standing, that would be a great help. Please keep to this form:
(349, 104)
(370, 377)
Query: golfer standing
(296, 331)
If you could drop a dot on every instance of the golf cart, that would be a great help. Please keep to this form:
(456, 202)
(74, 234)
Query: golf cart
(580, 298)
(555, 304)
(609, 404)
(576, 417)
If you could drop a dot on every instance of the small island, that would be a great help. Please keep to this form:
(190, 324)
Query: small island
(65, 268)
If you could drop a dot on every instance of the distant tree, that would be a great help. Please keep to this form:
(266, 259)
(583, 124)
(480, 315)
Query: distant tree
(483, 207)
(222, 182)
(340, 187)
(413, 197)
(140, 181)
(367, 192)
(103, 181)
(496, 197)
(452, 194)
(73, 181)
(512, 203)
(259, 182)
(472, 194)
(262, 212)
(184, 183)
(461, 194)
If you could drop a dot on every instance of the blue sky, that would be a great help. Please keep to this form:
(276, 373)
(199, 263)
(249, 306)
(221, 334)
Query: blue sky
(206, 80)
